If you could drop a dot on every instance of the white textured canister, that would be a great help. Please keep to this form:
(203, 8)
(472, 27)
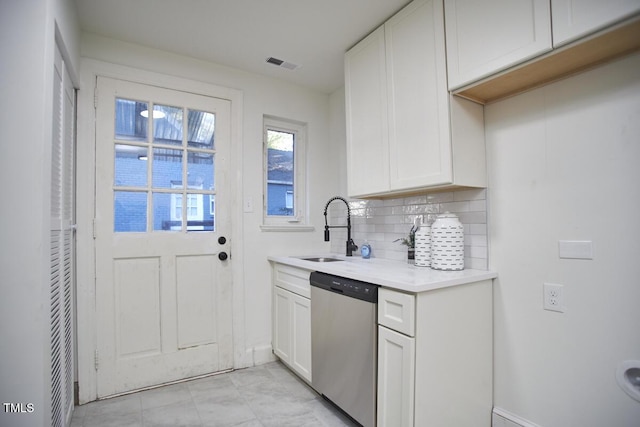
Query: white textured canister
(423, 246)
(447, 243)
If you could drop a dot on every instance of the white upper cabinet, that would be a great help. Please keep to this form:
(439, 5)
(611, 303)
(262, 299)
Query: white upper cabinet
(402, 124)
(367, 120)
(491, 35)
(419, 147)
(499, 48)
(574, 19)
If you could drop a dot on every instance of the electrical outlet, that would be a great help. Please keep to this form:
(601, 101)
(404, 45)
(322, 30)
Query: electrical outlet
(553, 297)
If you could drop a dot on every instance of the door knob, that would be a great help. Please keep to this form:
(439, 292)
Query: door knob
(222, 256)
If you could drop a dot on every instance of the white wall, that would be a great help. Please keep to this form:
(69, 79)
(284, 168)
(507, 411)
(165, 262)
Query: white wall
(260, 96)
(563, 164)
(27, 43)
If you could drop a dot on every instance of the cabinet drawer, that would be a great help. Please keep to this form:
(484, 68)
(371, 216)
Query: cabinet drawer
(397, 311)
(292, 279)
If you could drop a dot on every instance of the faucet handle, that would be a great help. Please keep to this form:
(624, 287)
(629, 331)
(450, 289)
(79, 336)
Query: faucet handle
(351, 246)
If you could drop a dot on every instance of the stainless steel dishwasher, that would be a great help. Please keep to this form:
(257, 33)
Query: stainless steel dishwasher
(344, 342)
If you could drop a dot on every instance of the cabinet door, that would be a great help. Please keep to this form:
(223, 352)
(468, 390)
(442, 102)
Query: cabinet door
(419, 137)
(301, 333)
(484, 37)
(292, 331)
(396, 372)
(367, 121)
(574, 19)
(282, 324)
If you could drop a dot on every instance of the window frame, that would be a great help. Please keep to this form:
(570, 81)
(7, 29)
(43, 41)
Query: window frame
(299, 220)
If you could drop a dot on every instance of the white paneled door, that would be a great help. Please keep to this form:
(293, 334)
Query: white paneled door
(163, 273)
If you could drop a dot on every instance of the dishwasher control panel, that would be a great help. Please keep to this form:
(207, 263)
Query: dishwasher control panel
(348, 287)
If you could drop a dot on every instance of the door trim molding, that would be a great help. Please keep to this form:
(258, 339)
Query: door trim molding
(85, 208)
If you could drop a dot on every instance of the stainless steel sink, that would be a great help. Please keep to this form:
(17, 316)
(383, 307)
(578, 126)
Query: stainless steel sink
(322, 259)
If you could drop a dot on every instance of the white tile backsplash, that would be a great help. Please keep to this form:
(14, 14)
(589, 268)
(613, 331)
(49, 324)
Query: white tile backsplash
(380, 222)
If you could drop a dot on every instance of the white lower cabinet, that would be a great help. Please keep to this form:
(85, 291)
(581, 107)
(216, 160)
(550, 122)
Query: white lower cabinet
(291, 339)
(292, 331)
(396, 374)
(282, 323)
(443, 374)
(301, 336)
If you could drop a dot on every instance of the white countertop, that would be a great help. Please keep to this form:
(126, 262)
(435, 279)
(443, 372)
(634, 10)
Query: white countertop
(391, 274)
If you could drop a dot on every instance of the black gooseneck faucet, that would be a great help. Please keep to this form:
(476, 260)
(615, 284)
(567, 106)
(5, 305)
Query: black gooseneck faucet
(351, 246)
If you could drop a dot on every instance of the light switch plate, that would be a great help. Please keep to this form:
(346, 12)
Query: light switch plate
(248, 204)
(575, 249)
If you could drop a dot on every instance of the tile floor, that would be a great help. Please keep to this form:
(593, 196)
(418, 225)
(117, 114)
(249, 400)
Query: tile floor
(262, 396)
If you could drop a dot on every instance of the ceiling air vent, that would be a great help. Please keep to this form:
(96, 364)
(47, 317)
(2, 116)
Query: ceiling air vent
(280, 63)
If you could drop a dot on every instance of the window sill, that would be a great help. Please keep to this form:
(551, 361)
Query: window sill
(287, 227)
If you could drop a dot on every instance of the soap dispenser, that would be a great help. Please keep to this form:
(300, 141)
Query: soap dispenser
(365, 250)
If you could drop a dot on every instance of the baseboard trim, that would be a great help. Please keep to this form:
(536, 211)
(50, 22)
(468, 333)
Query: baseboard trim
(503, 418)
(259, 355)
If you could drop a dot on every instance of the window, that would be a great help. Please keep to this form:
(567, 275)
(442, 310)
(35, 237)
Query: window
(163, 156)
(284, 174)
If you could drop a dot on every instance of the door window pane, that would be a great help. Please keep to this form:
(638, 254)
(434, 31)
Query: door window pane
(167, 168)
(130, 211)
(212, 213)
(131, 120)
(200, 170)
(167, 125)
(164, 218)
(130, 166)
(201, 129)
(198, 218)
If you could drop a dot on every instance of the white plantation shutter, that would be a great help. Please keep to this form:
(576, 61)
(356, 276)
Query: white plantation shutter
(62, 245)
(68, 239)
